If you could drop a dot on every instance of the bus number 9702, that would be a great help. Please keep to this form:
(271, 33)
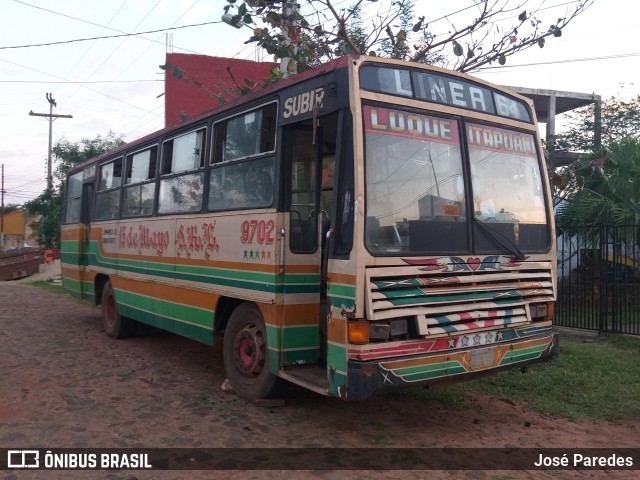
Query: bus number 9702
(261, 231)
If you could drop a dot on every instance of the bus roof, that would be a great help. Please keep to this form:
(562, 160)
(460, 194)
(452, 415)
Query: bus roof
(338, 63)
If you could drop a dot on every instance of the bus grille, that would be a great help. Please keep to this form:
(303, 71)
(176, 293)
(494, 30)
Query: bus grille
(447, 302)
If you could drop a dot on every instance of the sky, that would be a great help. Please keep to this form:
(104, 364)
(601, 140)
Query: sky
(115, 84)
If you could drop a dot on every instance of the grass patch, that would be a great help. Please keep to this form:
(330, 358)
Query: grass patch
(452, 397)
(594, 379)
(47, 285)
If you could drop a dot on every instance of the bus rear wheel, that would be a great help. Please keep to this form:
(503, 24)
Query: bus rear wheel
(246, 356)
(114, 324)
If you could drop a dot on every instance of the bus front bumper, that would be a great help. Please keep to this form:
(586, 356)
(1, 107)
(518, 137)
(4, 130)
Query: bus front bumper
(364, 378)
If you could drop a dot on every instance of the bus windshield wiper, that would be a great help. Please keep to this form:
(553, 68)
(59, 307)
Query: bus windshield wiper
(508, 244)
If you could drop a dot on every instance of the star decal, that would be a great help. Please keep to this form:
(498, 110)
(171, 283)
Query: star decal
(465, 341)
(499, 336)
(452, 343)
(476, 339)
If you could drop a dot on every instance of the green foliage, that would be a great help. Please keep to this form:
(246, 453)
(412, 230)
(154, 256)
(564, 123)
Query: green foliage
(619, 119)
(606, 190)
(68, 154)
(48, 206)
(397, 45)
(11, 207)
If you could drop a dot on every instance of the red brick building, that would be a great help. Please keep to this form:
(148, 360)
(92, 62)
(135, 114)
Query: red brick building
(194, 82)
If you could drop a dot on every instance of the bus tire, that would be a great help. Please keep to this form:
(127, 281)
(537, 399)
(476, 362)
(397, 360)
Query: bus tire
(246, 355)
(114, 324)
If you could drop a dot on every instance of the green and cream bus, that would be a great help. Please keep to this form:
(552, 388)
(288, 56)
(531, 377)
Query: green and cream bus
(363, 226)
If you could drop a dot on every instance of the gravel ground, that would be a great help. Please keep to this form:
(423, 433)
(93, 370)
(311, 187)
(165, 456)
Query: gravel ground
(65, 384)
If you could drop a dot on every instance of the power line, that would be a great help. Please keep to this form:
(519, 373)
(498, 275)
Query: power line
(84, 86)
(569, 60)
(79, 81)
(62, 42)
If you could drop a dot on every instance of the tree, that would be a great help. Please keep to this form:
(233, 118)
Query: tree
(619, 119)
(68, 154)
(607, 193)
(11, 207)
(48, 207)
(312, 38)
(49, 204)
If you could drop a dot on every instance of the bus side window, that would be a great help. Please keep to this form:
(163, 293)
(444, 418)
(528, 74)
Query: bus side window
(107, 205)
(182, 192)
(139, 194)
(242, 185)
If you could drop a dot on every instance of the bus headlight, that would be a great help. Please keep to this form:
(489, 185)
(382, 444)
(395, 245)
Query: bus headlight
(361, 332)
(541, 311)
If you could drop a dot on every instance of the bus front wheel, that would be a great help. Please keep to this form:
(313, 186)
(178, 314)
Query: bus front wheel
(246, 354)
(114, 324)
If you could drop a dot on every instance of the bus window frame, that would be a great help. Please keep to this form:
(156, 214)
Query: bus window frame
(218, 162)
(160, 176)
(67, 199)
(153, 181)
(543, 175)
(98, 191)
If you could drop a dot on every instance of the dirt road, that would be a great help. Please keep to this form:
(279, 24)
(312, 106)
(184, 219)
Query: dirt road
(65, 384)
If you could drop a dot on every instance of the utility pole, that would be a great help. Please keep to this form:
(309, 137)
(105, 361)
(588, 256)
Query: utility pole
(51, 116)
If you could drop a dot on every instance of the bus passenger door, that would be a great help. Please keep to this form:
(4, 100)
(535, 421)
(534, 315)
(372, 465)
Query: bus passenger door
(300, 342)
(88, 191)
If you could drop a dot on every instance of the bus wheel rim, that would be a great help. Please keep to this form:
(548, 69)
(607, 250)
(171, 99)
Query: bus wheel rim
(249, 350)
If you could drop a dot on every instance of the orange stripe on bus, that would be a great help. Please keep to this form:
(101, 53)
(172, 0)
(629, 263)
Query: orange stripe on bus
(303, 314)
(337, 330)
(72, 234)
(186, 296)
(342, 278)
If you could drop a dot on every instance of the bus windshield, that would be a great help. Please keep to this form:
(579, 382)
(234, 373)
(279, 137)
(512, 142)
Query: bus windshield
(417, 196)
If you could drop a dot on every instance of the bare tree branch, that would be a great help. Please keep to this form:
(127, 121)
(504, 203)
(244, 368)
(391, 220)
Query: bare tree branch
(465, 48)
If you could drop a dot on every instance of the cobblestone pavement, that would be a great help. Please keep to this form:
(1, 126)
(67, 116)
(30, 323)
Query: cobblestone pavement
(65, 384)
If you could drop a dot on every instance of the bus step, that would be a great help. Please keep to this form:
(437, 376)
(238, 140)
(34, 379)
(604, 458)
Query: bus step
(312, 377)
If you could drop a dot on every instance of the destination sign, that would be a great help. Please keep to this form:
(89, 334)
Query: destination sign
(442, 89)
(500, 140)
(411, 125)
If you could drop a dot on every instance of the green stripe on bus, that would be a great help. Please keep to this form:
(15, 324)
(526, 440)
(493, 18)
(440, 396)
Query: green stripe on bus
(70, 246)
(423, 299)
(165, 308)
(336, 381)
(338, 290)
(196, 332)
(522, 355)
(442, 372)
(72, 259)
(300, 337)
(337, 357)
(425, 368)
(72, 285)
(216, 276)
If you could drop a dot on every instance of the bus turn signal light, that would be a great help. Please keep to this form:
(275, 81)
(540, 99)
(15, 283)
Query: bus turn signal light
(358, 332)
